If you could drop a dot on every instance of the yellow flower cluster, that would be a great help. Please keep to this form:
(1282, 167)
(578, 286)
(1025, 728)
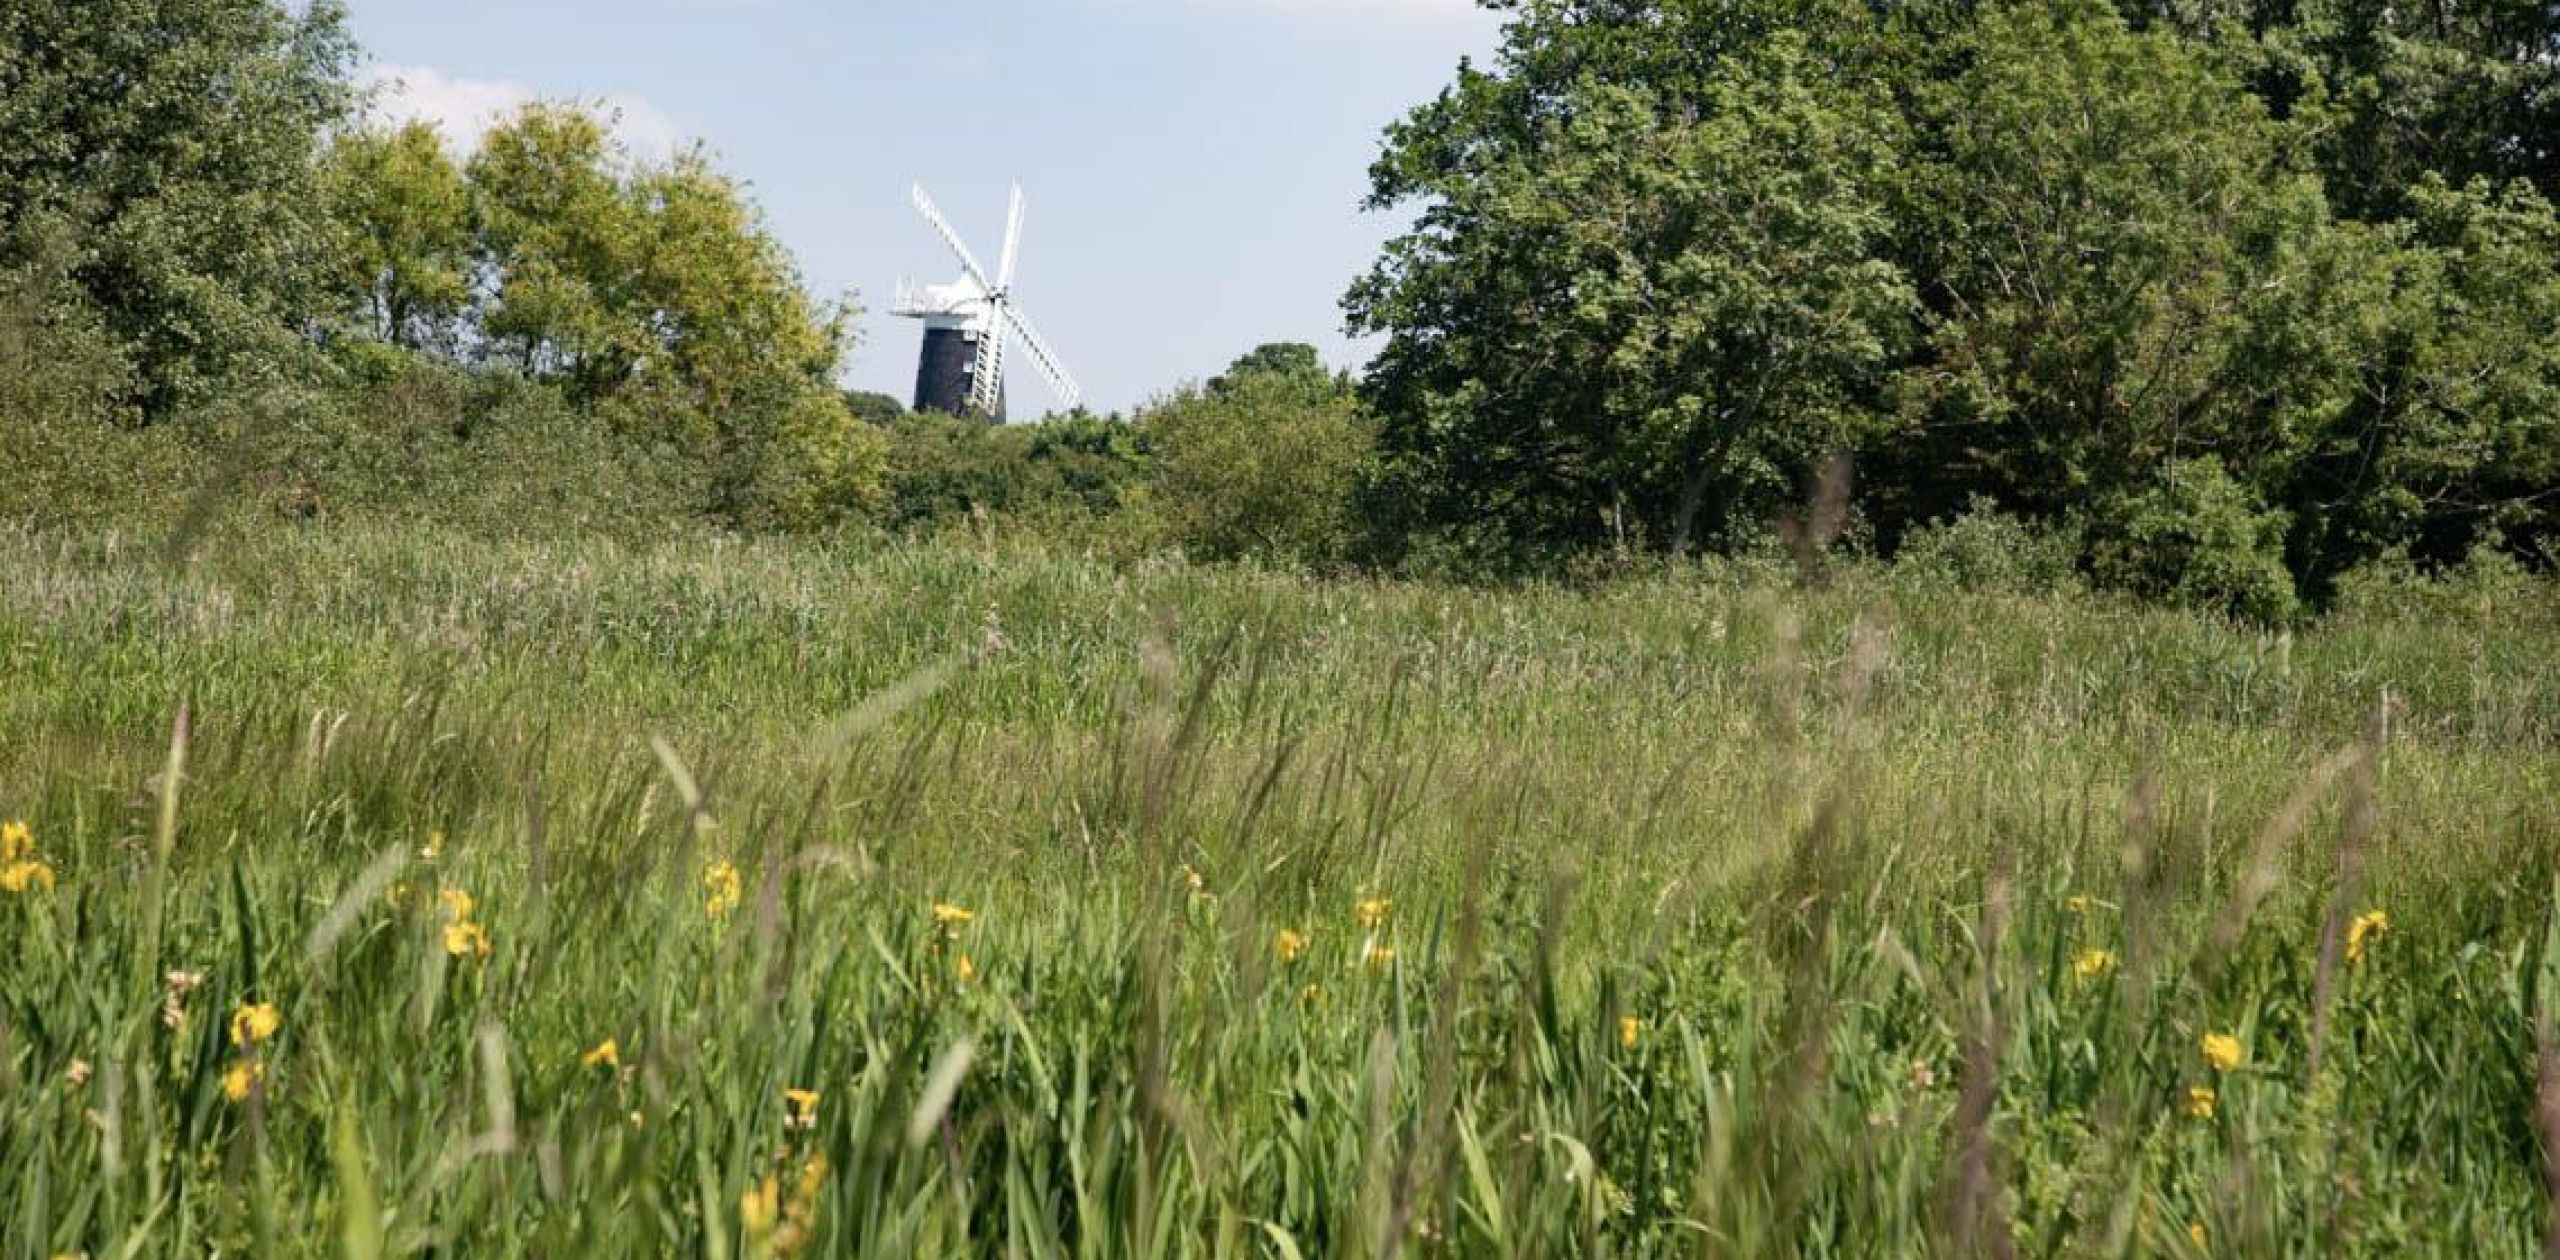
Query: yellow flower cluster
(1289, 945)
(2200, 1101)
(780, 1224)
(950, 919)
(20, 868)
(2093, 963)
(723, 890)
(2222, 1052)
(463, 935)
(607, 1054)
(2367, 928)
(1372, 913)
(253, 1024)
(1630, 1029)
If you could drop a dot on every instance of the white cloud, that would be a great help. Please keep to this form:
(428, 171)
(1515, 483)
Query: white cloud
(466, 108)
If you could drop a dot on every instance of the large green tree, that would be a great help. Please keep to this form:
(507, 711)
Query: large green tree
(1644, 293)
(174, 142)
(2116, 253)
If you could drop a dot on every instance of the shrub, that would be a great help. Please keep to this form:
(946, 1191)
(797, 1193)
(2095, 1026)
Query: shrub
(805, 464)
(948, 469)
(1262, 465)
(2198, 536)
(1986, 549)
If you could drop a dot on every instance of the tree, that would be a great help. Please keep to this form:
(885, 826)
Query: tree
(1289, 360)
(2447, 432)
(566, 243)
(1645, 291)
(175, 140)
(2118, 263)
(404, 219)
(656, 295)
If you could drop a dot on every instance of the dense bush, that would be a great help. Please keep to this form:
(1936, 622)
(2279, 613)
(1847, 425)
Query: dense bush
(945, 470)
(2198, 536)
(1986, 549)
(1262, 462)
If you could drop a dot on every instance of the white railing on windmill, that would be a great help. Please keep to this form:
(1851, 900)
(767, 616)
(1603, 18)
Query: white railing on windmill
(970, 323)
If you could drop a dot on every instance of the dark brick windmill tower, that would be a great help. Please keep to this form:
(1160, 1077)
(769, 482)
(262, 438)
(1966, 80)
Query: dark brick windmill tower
(967, 324)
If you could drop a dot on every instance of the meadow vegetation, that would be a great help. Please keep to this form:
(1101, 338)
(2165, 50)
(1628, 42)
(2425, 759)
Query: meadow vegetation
(374, 890)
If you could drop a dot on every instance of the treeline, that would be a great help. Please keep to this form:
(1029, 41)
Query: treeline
(2231, 297)
(223, 288)
(2222, 303)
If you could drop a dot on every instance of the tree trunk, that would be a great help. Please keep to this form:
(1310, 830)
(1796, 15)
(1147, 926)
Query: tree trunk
(1693, 492)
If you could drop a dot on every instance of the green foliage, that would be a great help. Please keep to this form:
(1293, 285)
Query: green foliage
(1986, 549)
(804, 462)
(172, 142)
(403, 213)
(948, 470)
(2450, 430)
(2112, 239)
(1664, 258)
(1633, 306)
(2197, 536)
(1262, 463)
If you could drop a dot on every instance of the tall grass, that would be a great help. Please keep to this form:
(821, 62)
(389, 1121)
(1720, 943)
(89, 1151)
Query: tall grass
(1692, 915)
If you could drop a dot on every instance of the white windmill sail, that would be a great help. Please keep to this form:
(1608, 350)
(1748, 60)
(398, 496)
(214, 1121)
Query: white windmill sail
(981, 313)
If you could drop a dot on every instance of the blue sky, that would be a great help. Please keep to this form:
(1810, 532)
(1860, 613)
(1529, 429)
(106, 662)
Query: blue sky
(1194, 167)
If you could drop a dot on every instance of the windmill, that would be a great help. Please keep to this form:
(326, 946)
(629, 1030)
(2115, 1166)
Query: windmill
(968, 322)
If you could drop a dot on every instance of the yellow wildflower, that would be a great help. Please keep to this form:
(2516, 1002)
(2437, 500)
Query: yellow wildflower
(1629, 1029)
(800, 1108)
(1378, 957)
(951, 916)
(760, 1208)
(2092, 963)
(2367, 927)
(243, 1077)
(457, 904)
(1373, 912)
(966, 969)
(1289, 944)
(2200, 1101)
(606, 1054)
(466, 938)
(26, 873)
(253, 1023)
(1312, 995)
(2196, 1235)
(2076, 903)
(722, 888)
(20, 869)
(2222, 1052)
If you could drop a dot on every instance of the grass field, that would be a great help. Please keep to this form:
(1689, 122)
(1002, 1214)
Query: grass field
(386, 894)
